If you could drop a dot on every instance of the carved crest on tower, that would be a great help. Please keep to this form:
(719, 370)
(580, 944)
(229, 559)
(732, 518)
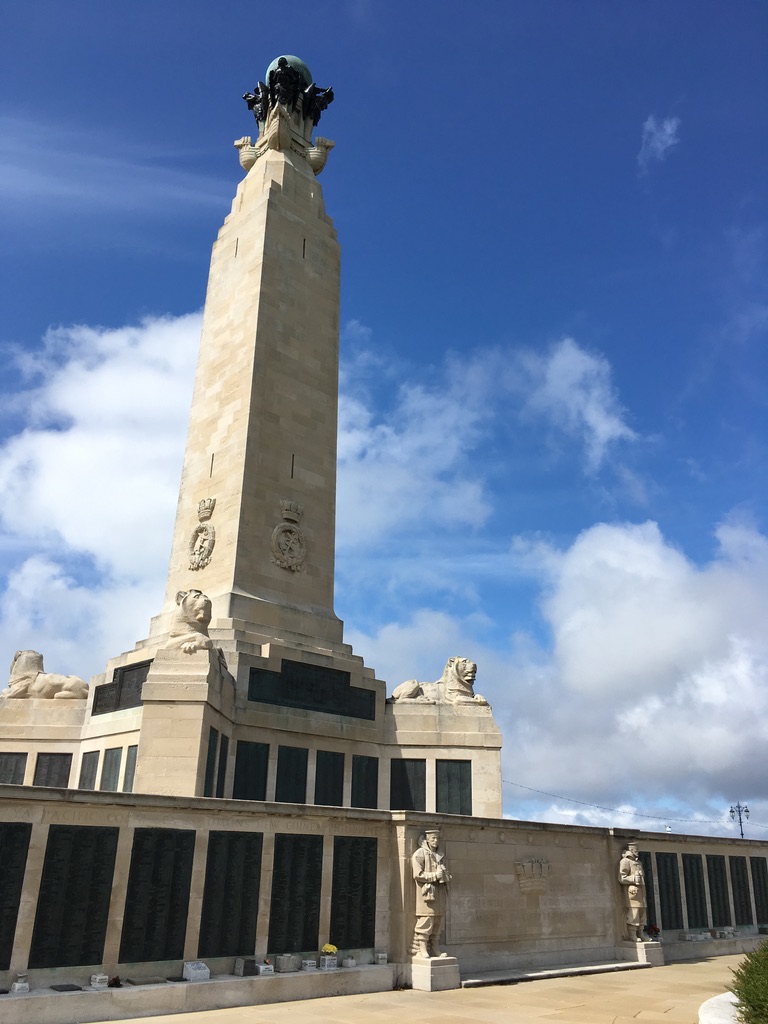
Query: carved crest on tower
(203, 536)
(289, 548)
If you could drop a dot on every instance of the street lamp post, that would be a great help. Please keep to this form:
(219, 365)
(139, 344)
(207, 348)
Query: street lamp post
(737, 811)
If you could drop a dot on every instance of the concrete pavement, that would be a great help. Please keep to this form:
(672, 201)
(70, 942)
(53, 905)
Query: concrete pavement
(660, 995)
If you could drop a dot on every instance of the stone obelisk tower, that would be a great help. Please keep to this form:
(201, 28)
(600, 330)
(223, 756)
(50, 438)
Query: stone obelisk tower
(256, 514)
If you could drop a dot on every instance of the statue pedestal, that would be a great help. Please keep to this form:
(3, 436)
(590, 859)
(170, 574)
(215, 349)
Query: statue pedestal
(435, 973)
(644, 952)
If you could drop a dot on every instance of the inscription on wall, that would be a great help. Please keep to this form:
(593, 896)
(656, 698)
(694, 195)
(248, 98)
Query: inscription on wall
(231, 894)
(157, 899)
(294, 916)
(312, 688)
(75, 891)
(14, 844)
(353, 895)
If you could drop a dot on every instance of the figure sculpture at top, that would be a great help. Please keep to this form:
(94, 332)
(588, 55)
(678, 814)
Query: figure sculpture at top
(286, 84)
(632, 881)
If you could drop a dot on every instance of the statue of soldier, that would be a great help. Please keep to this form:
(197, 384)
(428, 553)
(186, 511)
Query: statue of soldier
(431, 876)
(632, 880)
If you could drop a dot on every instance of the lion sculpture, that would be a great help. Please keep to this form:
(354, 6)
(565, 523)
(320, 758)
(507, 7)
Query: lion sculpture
(189, 629)
(455, 686)
(28, 679)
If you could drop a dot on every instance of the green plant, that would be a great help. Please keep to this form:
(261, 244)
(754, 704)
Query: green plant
(750, 986)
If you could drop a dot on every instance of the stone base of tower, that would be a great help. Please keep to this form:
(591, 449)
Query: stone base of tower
(185, 697)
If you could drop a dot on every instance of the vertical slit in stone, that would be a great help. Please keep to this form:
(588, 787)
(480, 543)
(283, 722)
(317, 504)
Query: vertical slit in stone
(213, 456)
(293, 462)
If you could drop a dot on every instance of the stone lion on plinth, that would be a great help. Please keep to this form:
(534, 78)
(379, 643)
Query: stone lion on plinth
(29, 680)
(455, 686)
(189, 629)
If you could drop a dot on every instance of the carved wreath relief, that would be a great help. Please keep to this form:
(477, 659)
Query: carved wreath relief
(289, 548)
(203, 536)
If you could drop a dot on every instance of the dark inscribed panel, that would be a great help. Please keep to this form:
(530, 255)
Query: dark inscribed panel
(157, 899)
(221, 774)
(647, 861)
(291, 784)
(695, 894)
(89, 767)
(669, 891)
(12, 768)
(454, 787)
(718, 891)
(52, 770)
(14, 845)
(408, 785)
(130, 768)
(251, 763)
(231, 894)
(353, 896)
(760, 886)
(312, 687)
(210, 761)
(124, 691)
(294, 914)
(742, 904)
(365, 781)
(110, 769)
(75, 891)
(329, 778)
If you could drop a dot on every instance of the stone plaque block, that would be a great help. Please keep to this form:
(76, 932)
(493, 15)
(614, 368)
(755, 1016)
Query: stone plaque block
(196, 970)
(329, 963)
(99, 981)
(246, 966)
(265, 968)
(285, 963)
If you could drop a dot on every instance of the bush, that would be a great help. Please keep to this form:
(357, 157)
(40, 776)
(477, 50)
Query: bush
(750, 986)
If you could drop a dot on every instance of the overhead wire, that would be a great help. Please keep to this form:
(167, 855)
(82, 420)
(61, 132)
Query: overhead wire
(618, 810)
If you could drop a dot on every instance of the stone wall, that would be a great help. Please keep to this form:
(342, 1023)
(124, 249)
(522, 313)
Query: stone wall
(107, 876)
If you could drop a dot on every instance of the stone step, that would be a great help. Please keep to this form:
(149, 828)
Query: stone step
(567, 971)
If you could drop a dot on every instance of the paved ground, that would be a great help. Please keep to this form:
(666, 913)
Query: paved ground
(661, 995)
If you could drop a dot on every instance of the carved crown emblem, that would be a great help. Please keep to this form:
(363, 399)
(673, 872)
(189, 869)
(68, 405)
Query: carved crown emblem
(291, 510)
(205, 509)
(533, 875)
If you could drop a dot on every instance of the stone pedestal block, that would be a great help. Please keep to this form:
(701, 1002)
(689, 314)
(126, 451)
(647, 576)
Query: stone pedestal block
(644, 952)
(435, 974)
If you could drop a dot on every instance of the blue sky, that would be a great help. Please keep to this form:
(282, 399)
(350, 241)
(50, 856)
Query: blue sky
(553, 417)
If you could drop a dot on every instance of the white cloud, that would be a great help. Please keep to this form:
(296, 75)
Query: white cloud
(573, 390)
(658, 677)
(115, 178)
(90, 488)
(411, 464)
(658, 138)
